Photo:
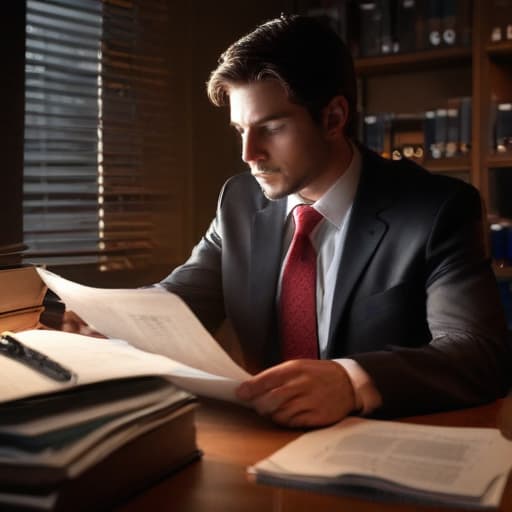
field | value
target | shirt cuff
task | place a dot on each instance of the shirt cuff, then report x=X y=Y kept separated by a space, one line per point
x=367 y=396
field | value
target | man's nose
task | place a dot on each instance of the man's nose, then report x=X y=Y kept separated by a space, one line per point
x=252 y=149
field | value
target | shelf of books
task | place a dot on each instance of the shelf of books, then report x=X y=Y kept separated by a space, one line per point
x=435 y=84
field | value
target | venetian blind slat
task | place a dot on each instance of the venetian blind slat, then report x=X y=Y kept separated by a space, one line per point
x=97 y=129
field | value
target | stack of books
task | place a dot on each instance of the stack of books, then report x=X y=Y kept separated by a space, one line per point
x=93 y=446
x=22 y=304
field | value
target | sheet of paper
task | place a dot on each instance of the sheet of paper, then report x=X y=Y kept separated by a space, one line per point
x=91 y=359
x=151 y=319
x=464 y=461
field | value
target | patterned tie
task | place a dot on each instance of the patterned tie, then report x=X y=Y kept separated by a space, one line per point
x=299 y=337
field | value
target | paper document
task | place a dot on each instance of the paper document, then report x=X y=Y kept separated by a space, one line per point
x=442 y=464
x=95 y=360
x=153 y=320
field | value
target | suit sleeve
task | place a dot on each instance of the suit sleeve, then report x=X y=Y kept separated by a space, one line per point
x=468 y=360
x=199 y=280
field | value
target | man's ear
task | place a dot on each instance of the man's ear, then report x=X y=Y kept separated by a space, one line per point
x=335 y=116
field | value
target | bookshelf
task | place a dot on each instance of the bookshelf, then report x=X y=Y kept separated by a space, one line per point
x=477 y=67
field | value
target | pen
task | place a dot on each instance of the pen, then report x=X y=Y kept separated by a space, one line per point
x=15 y=349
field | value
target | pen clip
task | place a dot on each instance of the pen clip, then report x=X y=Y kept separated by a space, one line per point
x=11 y=347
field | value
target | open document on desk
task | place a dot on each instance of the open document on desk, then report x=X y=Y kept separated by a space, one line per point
x=161 y=336
x=394 y=461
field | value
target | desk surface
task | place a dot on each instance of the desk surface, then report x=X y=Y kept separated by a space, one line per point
x=233 y=438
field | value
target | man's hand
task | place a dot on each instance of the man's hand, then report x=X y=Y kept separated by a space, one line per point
x=71 y=322
x=301 y=393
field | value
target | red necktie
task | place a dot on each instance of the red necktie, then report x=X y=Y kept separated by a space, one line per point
x=299 y=337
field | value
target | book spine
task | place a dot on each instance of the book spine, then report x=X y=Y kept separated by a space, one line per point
x=405 y=23
x=386 y=44
x=440 y=135
x=464 y=22
x=498 y=244
x=434 y=14
x=504 y=127
x=370 y=18
x=374 y=132
x=429 y=131
x=448 y=23
x=501 y=22
x=465 y=132
x=452 y=133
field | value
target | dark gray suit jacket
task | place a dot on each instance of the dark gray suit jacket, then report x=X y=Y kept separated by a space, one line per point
x=415 y=303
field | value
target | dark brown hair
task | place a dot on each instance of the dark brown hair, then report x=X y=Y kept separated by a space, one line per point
x=304 y=55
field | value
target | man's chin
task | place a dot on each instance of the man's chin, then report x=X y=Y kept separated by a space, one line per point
x=272 y=193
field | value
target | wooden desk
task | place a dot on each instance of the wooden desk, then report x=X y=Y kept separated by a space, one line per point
x=233 y=438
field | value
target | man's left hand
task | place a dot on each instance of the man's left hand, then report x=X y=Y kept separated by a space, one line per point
x=301 y=393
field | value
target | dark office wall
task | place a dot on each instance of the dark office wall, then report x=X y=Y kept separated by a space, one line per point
x=12 y=28
x=210 y=149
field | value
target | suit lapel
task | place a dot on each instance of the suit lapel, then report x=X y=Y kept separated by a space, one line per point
x=265 y=260
x=365 y=232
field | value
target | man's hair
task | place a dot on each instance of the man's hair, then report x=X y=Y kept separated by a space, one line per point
x=307 y=57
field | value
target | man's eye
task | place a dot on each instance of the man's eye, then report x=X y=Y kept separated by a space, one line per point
x=273 y=128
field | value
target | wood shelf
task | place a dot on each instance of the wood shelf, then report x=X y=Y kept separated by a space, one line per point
x=499 y=161
x=412 y=61
x=456 y=164
x=501 y=50
x=503 y=273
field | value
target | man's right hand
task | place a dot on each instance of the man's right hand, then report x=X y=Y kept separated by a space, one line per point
x=71 y=322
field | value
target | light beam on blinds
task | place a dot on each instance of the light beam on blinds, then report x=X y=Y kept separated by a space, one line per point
x=98 y=180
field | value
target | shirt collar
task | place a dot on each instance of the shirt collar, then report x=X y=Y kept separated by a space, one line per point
x=335 y=203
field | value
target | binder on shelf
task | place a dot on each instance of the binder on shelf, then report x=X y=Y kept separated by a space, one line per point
x=463 y=22
x=409 y=26
x=503 y=127
x=452 y=131
x=440 y=133
x=429 y=133
x=465 y=131
x=498 y=234
x=370 y=28
x=434 y=27
x=501 y=21
x=503 y=187
x=386 y=40
x=377 y=133
x=449 y=23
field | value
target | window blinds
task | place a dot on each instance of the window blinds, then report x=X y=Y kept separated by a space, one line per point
x=99 y=185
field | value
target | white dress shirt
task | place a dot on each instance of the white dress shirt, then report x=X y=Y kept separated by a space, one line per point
x=328 y=239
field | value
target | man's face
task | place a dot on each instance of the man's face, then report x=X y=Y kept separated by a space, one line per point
x=286 y=151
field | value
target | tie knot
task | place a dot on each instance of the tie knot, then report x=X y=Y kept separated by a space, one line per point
x=306 y=218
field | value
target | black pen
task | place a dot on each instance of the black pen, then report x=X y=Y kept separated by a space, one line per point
x=15 y=349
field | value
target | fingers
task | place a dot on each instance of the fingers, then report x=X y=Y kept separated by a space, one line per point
x=301 y=393
x=269 y=379
x=71 y=322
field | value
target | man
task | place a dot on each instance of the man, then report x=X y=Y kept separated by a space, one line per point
x=388 y=304
x=406 y=305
